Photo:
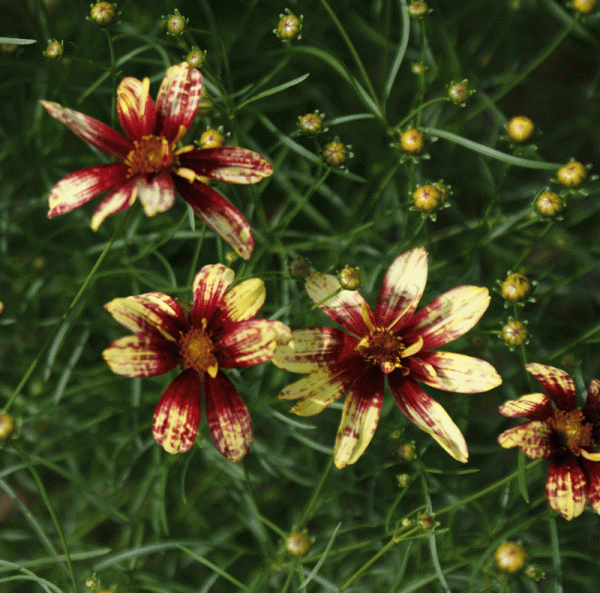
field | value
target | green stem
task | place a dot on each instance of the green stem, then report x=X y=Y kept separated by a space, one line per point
x=69 y=310
x=571 y=345
x=113 y=73
x=532 y=244
x=315 y=494
x=420 y=108
x=558 y=588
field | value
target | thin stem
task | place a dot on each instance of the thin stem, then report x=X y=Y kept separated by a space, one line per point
x=315 y=495
x=571 y=345
x=558 y=588
x=420 y=108
x=265 y=535
x=70 y=308
x=113 y=73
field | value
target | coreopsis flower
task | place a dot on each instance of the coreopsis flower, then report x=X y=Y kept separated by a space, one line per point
x=217 y=332
x=560 y=431
x=150 y=167
x=394 y=342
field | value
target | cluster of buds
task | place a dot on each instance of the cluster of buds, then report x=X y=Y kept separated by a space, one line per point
x=515 y=291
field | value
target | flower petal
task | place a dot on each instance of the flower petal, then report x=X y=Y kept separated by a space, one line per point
x=534 y=405
x=312 y=347
x=240 y=303
x=91 y=130
x=346 y=307
x=119 y=199
x=176 y=418
x=141 y=356
x=247 y=343
x=81 y=186
x=229 y=423
x=533 y=438
x=448 y=317
x=210 y=284
x=154 y=313
x=177 y=101
x=453 y=372
x=227 y=163
x=428 y=415
x=592 y=471
x=402 y=288
x=157 y=194
x=566 y=488
x=219 y=214
x=556 y=383
x=591 y=409
x=362 y=409
x=323 y=386
x=135 y=107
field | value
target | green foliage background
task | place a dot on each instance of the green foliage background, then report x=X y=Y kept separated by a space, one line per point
x=84 y=488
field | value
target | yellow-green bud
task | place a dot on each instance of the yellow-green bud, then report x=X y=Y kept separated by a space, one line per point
x=299 y=268
x=212 y=139
x=297 y=543
x=417 y=9
x=335 y=153
x=7 y=425
x=403 y=480
x=289 y=26
x=583 y=6
x=54 y=50
x=196 y=58
x=310 y=124
x=349 y=278
x=427 y=198
x=418 y=68
x=514 y=333
x=406 y=451
x=510 y=557
x=572 y=174
x=549 y=204
x=412 y=141
x=459 y=92
x=176 y=23
x=520 y=128
x=515 y=288
x=103 y=13
x=425 y=521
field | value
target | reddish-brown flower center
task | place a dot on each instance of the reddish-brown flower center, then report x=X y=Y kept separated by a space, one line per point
x=381 y=347
x=572 y=432
x=151 y=154
x=197 y=351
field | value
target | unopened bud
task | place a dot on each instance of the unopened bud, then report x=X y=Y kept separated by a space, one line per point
x=412 y=141
x=427 y=199
x=7 y=425
x=549 y=204
x=572 y=174
x=510 y=557
x=515 y=288
x=297 y=543
x=514 y=333
x=212 y=139
x=349 y=278
x=103 y=13
x=519 y=129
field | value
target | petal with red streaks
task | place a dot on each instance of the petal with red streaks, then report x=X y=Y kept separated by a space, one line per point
x=141 y=356
x=533 y=438
x=557 y=384
x=210 y=285
x=157 y=194
x=566 y=488
x=135 y=107
x=118 y=200
x=533 y=405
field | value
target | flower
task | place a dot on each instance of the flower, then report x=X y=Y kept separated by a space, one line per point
x=563 y=433
x=392 y=341
x=150 y=167
x=217 y=332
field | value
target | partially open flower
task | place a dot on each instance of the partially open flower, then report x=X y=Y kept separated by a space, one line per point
x=412 y=141
x=549 y=204
x=103 y=13
x=510 y=557
x=515 y=288
x=519 y=129
x=573 y=174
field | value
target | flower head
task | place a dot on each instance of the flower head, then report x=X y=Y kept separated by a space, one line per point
x=562 y=432
x=150 y=166
x=394 y=342
x=218 y=332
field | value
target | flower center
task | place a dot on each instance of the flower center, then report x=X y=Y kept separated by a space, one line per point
x=151 y=154
x=572 y=432
x=197 y=351
x=383 y=348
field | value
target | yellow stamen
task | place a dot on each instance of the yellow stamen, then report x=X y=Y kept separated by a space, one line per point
x=197 y=351
x=151 y=154
x=572 y=431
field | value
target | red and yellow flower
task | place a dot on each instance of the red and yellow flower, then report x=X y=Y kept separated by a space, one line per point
x=391 y=341
x=150 y=167
x=558 y=430
x=217 y=332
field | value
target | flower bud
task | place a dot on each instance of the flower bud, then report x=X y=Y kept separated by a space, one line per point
x=206 y=103
x=445 y=190
x=297 y=543
x=534 y=572
x=310 y=124
x=103 y=13
x=176 y=23
x=458 y=92
x=406 y=451
x=572 y=174
x=212 y=139
x=335 y=153
x=403 y=480
x=1 y=307
x=406 y=522
x=514 y=333
x=549 y=204
x=417 y=10
x=425 y=521
x=289 y=27
x=519 y=129
x=54 y=50
x=7 y=425
x=515 y=288
x=510 y=557
x=583 y=6
x=412 y=141
x=299 y=268
x=427 y=198
x=195 y=59
x=350 y=278
x=418 y=68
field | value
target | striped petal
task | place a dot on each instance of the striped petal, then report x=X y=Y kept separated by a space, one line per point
x=227 y=163
x=566 y=488
x=219 y=214
x=81 y=186
x=176 y=418
x=345 y=307
x=229 y=422
x=157 y=194
x=240 y=303
x=118 y=200
x=210 y=284
x=140 y=356
x=449 y=371
x=592 y=472
x=248 y=343
x=556 y=383
x=448 y=317
x=534 y=405
x=323 y=386
x=90 y=130
x=533 y=438
x=313 y=347
x=154 y=313
x=135 y=107
x=362 y=409
x=402 y=288
x=177 y=101
x=428 y=415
